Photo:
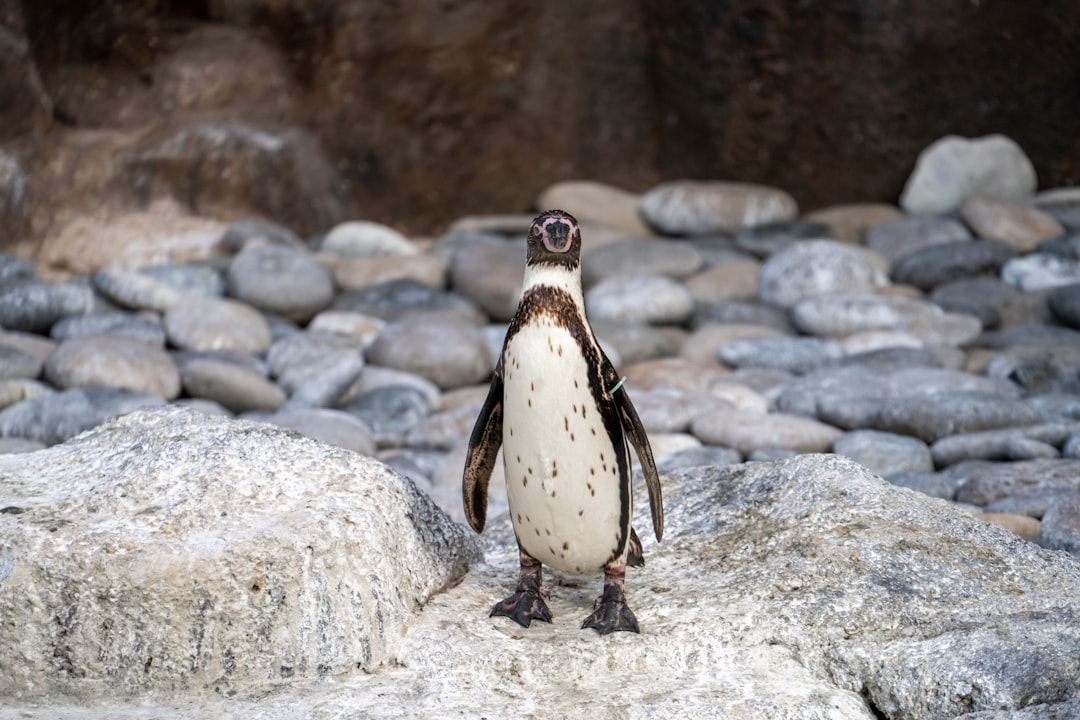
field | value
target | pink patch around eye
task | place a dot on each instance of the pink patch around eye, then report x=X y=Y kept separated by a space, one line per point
x=547 y=239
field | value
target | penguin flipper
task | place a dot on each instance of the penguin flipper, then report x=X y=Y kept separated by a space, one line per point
x=636 y=432
x=484 y=446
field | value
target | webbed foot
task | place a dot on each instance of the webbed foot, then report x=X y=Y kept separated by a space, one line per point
x=522 y=607
x=526 y=603
x=612 y=613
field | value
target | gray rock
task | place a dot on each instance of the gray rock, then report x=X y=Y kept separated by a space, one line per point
x=816 y=267
x=257 y=231
x=748 y=313
x=797 y=355
x=1033 y=503
x=281 y=280
x=1060 y=526
x=938 y=264
x=115 y=361
x=1064 y=302
x=34 y=306
x=333 y=427
x=701 y=455
x=937 y=485
x=183 y=358
x=767 y=239
x=931 y=417
x=19 y=445
x=842 y=314
x=443 y=430
x=640 y=299
x=952 y=169
x=329 y=387
x=1062 y=203
x=16 y=364
x=889 y=359
x=1039 y=271
x=672 y=410
x=1022 y=443
x=982 y=296
x=390 y=411
x=490 y=273
x=54 y=418
x=983 y=482
x=1028 y=336
x=238 y=388
x=689 y=207
x=417 y=465
x=15 y=391
x=15 y=269
x=449 y=354
x=395 y=299
x=198 y=323
x=673 y=259
x=135 y=290
x=893 y=239
x=1066 y=245
x=306 y=358
x=633 y=342
x=748 y=433
x=225 y=554
x=194 y=278
x=138 y=327
x=885 y=454
x=362 y=238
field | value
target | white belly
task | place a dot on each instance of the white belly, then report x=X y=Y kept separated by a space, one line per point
x=562 y=475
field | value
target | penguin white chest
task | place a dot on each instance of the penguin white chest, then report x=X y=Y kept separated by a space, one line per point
x=562 y=472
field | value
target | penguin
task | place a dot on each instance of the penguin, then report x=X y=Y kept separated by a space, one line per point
x=562 y=416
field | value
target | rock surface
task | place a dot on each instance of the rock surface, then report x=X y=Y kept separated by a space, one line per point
x=805 y=588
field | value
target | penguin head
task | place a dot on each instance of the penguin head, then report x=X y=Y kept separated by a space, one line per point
x=554 y=239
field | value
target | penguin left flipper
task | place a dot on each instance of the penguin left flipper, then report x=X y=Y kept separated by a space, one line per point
x=636 y=432
x=484 y=444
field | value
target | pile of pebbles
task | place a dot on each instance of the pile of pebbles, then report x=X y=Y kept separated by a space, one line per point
x=939 y=345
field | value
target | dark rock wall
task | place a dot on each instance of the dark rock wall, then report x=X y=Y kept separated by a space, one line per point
x=421 y=111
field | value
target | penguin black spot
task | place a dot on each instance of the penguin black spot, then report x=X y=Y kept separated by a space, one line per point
x=560 y=351
x=566 y=423
x=571 y=437
x=530 y=402
x=554 y=472
x=593 y=430
x=519 y=458
x=601 y=456
x=524 y=481
x=532 y=386
x=575 y=384
x=537 y=532
x=530 y=470
x=605 y=467
x=519 y=518
x=566 y=546
x=575 y=408
x=553 y=493
x=583 y=410
x=592 y=471
x=588 y=485
x=551 y=550
x=580 y=513
x=548 y=533
x=592 y=491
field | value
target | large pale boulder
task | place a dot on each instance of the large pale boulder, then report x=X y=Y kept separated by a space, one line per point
x=806 y=589
x=170 y=551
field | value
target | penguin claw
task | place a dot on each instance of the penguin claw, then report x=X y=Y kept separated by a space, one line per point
x=522 y=607
x=611 y=615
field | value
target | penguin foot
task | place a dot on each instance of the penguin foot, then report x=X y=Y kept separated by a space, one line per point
x=612 y=613
x=522 y=607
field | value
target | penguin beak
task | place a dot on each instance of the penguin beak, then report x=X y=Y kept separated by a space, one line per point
x=557 y=236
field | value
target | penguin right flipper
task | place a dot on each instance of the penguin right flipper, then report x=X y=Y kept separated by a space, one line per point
x=636 y=432
x=484 y=444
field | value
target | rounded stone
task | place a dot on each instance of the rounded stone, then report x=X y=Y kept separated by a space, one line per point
x=19 y=389
x=35 y=306
x=194 y=278
x=362 y=327
x=135 y=290
x=450 y=354
x=15 y=269
x=633 y=342
x=776 y=431
x=672 y=410
x=257 y=231
x=1020 y=225
x=852 y=223
x=238 y=388
x=1039 y=271
x=1060 y=528
x=333 y=427
x=1064 y=302
x=982 y=297
x=954 y=168
x=932 y=266
x=816 y=267
x=16 y=364
x=742 y=312
x=114 y=361
x=931 y=417
x=281 y=280
x=691 y=207
x=137 y=327
x=885 y=453
x=699 y=456
x=797 y=355
x=397 y=299
x=199 y=323
x=361 y=238
x=490 y=274
x=700 y=345
x=390 y=411
x=767 y=239
x=724 y=281
x=353 y=273
x=642 y=299
x=842 y=314
x=54 y=418
x=306 y=357
x=671 y=259
x=906 y=234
